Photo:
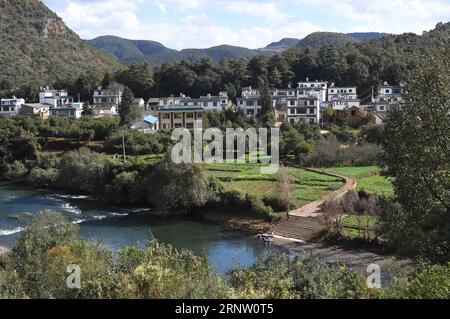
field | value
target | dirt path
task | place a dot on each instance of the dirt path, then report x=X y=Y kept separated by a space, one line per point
x=303 y=224
x=313 y=209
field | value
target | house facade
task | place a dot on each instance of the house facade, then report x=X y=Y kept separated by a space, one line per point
x=181 y=116
x=340 y=98
x=11 y=107
x=72 y=110
x=54 y=98
x=104 y=97
x=317 y=88
x=388 y=95
x=304 y=109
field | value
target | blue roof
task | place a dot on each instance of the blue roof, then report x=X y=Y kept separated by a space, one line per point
x=150 y=119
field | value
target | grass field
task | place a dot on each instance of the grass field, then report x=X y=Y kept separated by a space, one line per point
x=367 y=179
x=247 y=178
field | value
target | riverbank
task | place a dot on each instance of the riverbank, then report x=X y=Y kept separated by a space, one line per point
x=356 y=258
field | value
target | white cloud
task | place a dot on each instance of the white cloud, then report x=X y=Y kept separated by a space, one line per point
x=196 y=29
x=250 y=23
x=394 y=16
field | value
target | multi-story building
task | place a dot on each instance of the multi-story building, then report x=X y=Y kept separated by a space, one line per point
x=317 y=88
x=340 y=98
x=304 y=109
x=54 y=98
x=171 y=100
x=11 y=107
x=209 y=102
x=181 y=116
x=72 y=110
x=296 y=105
x=106 y=97
x=250 y=102
x=388 y=95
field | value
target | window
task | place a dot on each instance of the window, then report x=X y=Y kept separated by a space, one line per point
x=190 y=126
x=166 y=116
x=189 y=115
x=178 y=126
x=301 y=111
x=312 y=102
x=312 y=111
x=353 y=113
x=164 y=126
x=312 y=121
x=178 y=116
x=199 y=115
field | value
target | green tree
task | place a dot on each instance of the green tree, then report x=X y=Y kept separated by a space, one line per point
x=128 y=110
x=417 y=152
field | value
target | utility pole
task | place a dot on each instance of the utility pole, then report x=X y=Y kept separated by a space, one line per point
x=123 y=146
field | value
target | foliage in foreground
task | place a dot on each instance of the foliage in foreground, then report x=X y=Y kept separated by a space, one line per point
x=417 y=158
x=36 y=268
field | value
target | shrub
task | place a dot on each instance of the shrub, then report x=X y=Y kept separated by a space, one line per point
x=15 y=170
x=43 y=177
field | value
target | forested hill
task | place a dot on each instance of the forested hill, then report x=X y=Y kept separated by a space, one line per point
x=35 y=44
x=131 y=51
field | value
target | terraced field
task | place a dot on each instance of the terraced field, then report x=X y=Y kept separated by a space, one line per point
x=247 y=178
x=367 y=178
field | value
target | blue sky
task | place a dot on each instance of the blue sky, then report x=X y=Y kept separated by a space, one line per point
x=182 y=24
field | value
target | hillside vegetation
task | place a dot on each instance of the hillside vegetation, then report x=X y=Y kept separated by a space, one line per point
x=36 y=44
x=131 y=51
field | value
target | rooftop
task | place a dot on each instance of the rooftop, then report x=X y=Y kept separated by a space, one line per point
x=183 y=108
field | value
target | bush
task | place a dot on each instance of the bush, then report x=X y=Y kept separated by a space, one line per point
x=83 y=171
x=245 y=204
x=43 y=177
x=276 y=203
x=16 y=170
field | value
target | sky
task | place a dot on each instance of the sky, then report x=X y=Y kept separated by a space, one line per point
x=181 y=24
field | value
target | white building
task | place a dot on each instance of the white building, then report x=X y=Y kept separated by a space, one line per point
x=301 y=105
x=317 y=88
x=171 y=100
x=209 y=102
x=72 y=110
x=54 y=98
x=105 y=97
x=249 y=102
x=11 y=107
x=304 y=109
x=340 y=98
x=387 y=96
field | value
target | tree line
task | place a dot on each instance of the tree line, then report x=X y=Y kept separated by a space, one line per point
x=363 y=64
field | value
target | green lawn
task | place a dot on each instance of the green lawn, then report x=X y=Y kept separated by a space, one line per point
x=247 y=178
x=367 y=179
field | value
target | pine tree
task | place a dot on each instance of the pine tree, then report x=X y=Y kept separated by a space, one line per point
x=128 y=110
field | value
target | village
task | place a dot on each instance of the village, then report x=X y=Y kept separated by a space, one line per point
x=306 y=103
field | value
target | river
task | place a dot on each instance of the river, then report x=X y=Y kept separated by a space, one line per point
x=116 y=227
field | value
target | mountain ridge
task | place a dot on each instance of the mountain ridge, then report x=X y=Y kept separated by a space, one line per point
x=129 y=51
x=36 y=44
